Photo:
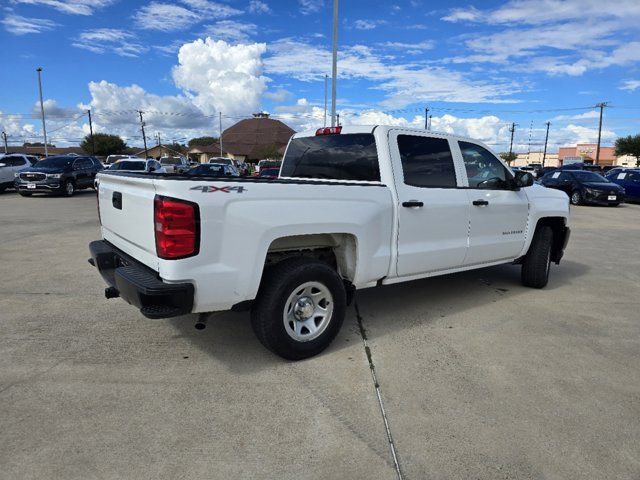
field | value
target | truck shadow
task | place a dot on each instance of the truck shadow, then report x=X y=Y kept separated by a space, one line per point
x=230 y=339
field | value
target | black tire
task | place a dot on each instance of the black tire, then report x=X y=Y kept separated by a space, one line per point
x=537 y=262
x=69 y=188
x=24 y=194
x=576 y=197
x=278 y=284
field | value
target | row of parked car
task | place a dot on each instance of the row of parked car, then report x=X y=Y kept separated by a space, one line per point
x=66 y=174
x=589 y=184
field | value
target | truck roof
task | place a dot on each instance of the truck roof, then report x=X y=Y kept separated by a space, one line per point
x=347 y=129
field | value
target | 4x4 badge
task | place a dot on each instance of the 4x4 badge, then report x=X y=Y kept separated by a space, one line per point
x=225 y=189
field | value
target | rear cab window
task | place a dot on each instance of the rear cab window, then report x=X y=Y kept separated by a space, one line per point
x=350 y=156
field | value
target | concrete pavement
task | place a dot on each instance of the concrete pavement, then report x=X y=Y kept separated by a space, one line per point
x=479 y=377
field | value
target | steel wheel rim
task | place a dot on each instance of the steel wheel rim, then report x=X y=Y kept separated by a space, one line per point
x=308 y=311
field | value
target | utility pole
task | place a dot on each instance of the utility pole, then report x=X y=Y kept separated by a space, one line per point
x=430 y=118
x=44 y=128
x=512 y=129
x=601 y=105
x=334 y=66
x=144 y=137
x=4 y=137
x=546 y=139
x=426 y=118
x=220 y=117
x=326 y=81
x=159 y=139
x=93 y=145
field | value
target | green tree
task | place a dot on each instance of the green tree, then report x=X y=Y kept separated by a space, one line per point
x=508 y=157
x=202 y=141
x=105 y=144
x=177 y=147
x=629 y=145
x=269 y=152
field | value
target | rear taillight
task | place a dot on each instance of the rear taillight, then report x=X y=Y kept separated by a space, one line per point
x=328 y=131
x=177 y=227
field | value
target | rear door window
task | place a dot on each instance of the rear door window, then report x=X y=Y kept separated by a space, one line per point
x=426 y=162
x=336 y=157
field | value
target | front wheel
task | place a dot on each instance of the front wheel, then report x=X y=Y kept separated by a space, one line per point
x=576 y=197
x=537 y=262
x=69 y=188
x=299 y=309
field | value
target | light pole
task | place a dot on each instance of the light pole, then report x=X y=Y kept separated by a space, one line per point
x=44 y=127
x=326 y=79
x=601 y=105
x=546 y=139
x=334 y=67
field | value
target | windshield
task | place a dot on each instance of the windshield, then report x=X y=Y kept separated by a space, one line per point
x=226 y=161
x=585 y=176
x=114 y=158
x=269 y=172
x=56 y=162
x=213 y=170
x=128 y=165
x=171 y=161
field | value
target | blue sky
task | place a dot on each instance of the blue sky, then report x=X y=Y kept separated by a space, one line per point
x=478 y=67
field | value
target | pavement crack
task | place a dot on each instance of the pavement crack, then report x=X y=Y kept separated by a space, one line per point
x=376 y=385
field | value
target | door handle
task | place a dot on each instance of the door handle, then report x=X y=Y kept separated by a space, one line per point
x=479 y=203
x=412 y=203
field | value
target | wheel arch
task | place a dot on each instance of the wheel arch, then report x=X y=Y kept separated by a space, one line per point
x=560 y=231
x=340 y=250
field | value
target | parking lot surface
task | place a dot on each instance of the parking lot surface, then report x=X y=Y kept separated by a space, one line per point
x=479 y=377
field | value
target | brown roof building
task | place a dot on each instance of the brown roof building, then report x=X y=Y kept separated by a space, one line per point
x=203 y=153
x=255 y=138
x=39 y=150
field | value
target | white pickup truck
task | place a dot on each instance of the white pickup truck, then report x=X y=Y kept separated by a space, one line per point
x=354 y=207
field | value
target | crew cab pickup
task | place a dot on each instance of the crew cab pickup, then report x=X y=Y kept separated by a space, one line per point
x=353 y=207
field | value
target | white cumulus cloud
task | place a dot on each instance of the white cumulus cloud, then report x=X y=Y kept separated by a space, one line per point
x=221 y=77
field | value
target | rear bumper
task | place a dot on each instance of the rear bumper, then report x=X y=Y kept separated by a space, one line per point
x=139 y=285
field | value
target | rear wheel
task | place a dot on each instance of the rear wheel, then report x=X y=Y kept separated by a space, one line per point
x=537 y=262
x=576 y=197
x=299 y=309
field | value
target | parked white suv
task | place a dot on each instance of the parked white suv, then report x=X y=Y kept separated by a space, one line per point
x=175 y=164
x=353 y=207
x=10 y=165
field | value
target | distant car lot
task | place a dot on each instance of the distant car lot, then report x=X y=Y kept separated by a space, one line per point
x=480 y=377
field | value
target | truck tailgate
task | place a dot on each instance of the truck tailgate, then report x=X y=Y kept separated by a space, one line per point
x=126 y=214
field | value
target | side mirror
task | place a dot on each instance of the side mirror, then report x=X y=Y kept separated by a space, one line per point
x=523 y=179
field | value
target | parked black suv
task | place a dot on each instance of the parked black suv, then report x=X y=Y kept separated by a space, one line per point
x=59 y=174
x=585 y=187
